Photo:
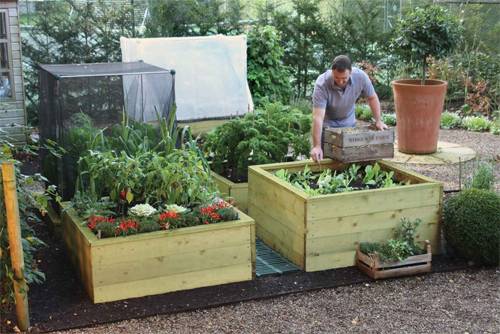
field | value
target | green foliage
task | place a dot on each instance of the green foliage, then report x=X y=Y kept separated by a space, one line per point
x=148 y=225
x=476 y=123
x=304 y=105
x=424 y=32
x=305 y=37
x=389 y=119
x=363 y=112
x=400 y=247
x=328 y=182
x=274 y=133
x=355 y=29
x=482 y=178
x=174 y=178
x=495 y=129
x=472 y=225
x=450 y=120
x=72 y=32
x=174 y=18
x=137 y=163
x=30 y=201
x=267 y=76
x=106 y=230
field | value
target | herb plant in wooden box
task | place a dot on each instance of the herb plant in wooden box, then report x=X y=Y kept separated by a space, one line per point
x=316 y=214
x=275 y=133
x=399 y=256
x=146 y=219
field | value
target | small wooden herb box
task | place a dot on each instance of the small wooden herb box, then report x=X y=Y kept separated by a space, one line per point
x=358 y=144
x=376 y=269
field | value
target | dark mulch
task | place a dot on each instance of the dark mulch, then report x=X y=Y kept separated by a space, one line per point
x=62 y=303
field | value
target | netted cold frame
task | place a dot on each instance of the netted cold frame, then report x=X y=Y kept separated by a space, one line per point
x=103 y=93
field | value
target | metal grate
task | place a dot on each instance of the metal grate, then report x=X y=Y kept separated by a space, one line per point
x=269 y=262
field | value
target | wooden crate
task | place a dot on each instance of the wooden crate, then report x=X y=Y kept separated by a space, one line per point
x=322 y=232
x=162 y=261
x=358 y=144
x=376 y=269
x=237 y=191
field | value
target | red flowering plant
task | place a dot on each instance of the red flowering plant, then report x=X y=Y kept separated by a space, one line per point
x=169 y=218
x=111 y=227
x=144 y=218
x=216 y=212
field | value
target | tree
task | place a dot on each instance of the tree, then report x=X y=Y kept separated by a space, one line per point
x=67 y=32
x=173 y=18
x=424 y=32
x=304 y=39
x=267 y=75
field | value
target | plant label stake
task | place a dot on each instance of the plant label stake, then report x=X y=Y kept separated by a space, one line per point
x=15 y=245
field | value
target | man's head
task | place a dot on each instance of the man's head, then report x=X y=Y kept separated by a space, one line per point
x=341 y=70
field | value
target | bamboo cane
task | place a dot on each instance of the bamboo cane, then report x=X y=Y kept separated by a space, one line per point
x=15 y=245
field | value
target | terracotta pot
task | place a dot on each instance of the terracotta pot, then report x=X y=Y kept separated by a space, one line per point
x=418 y=114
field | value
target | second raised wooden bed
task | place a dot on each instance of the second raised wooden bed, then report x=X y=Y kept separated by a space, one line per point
x=322 y=232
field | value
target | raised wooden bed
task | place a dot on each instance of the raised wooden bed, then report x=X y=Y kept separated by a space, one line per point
x=159 y=262
x=322 y=232
x=376 y=269
x=237 y=191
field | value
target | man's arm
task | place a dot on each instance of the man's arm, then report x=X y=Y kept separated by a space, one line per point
x=374 y=104
x=317 y=128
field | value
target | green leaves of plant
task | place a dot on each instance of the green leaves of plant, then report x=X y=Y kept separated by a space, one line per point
x=270 y=134
x=428 y=31
x=328 y=182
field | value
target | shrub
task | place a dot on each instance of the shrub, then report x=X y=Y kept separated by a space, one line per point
x=389 y=119
x=450 y=120
x=274 y=133
x=29 y=203
x=472 y=225
x=363 y=112
x=495 y=126
x=476 y=123
x=482 y=178
x=69 y=31
x=495 y=129
x=267 y=76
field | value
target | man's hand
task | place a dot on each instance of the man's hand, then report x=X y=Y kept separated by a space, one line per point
x=316 y=153
x=380 y=125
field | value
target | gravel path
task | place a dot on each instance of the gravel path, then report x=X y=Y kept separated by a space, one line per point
x=456 y=302
x=486 y=145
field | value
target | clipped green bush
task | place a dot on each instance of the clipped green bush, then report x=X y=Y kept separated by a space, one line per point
x=450 y=120
x=363 y=112
x=476 y=123
x=389 y=119
x=472 y=225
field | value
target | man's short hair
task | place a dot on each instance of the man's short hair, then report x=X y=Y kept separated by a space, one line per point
x=341 y=63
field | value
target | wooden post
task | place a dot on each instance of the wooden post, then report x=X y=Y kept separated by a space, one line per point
x=15 y=245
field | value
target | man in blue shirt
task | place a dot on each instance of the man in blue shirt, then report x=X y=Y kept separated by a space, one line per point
x=334 y=97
